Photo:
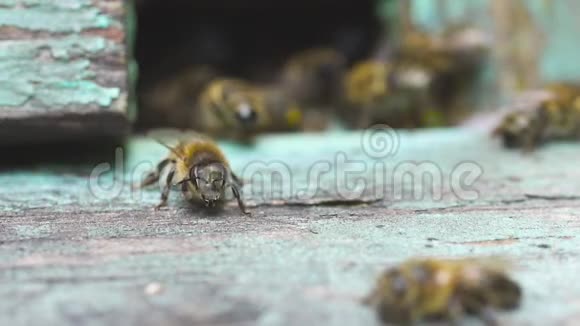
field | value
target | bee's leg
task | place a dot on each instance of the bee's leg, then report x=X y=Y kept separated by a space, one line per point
x=185 y=192
x=166 y=189
x=153 y=176
x=364 y=120
x=239 y=182
x=531 y=142
x=488 y=317
x=241 y=205
x=534 y=135
x=454 y=312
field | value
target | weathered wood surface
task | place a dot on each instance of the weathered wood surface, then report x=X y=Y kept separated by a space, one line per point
x=63 y=70
x=69 y=258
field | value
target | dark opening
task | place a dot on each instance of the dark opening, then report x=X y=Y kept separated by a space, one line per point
x=248 y=39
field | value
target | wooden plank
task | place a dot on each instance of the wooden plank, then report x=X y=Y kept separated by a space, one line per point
x=68 y=257
x=64 y=72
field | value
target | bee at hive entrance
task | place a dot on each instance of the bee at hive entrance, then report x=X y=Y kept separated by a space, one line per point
x=184 y=46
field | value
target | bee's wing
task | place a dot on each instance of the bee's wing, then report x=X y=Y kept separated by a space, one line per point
x=172 y=137
x=496 y=263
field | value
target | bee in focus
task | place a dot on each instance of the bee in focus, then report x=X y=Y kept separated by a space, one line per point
x=433 y=289
x=555 y=116
x=231 y=108
x=202 y=172
x=393 y=93
x=313 y=78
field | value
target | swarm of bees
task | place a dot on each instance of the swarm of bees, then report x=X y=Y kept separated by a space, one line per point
x=424 y=81
x=443 y=289
x=409 y=88
x=554 y=114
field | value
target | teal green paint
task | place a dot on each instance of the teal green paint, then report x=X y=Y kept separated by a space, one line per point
x=81 y=92
x=64 y=4
x=32 y=231
x=14 y=93
x=328 y=271
x=427 y=14
x=444 y=148
x=51 y=83
x=54 y=19
x=560 y=61
x=557 y=20
x=99 y=255
x=42 y=70
x=60 y=48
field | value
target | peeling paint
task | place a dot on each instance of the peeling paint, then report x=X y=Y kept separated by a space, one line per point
x=64 y=4
x=32 y=231
x=51 y=83
x=56 y=70
x=54 y=18
x=59 y=48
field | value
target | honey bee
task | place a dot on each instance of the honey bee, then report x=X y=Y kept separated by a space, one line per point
x=313 y=78
x=431 y=289
x=199 y=167
x=285 y=113
x=466 y=45
x=231 y=107
x=455 y=59
x=419 y=47
x=171 y=102
x=386 y=92
x=555 y=116
x=460 y=47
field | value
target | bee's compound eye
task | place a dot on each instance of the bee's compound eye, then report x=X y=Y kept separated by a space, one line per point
x=398 y=283
x=399 y=286
x=246 y=113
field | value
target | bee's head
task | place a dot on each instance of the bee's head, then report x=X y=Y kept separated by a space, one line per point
x=210 y=181
x=394 y=296
x=514 y=129
x=246 y=114
x=489 y=287
x=242 y=106
x=505 y=293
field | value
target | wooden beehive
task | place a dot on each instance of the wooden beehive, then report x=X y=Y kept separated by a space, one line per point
x=63 y=70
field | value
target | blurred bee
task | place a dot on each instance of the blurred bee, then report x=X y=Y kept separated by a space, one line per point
x=455 y=59
x=467 y=46
x=171 y=102
x=461 y=47
x=431 y=289
x=313 y=78
x=419 y=47
x=199 y=167
x=395 y=93
x=231 y=108
x=285 y=113
x=556 y=116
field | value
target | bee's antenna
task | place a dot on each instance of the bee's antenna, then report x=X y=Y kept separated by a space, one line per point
x=169 y=148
